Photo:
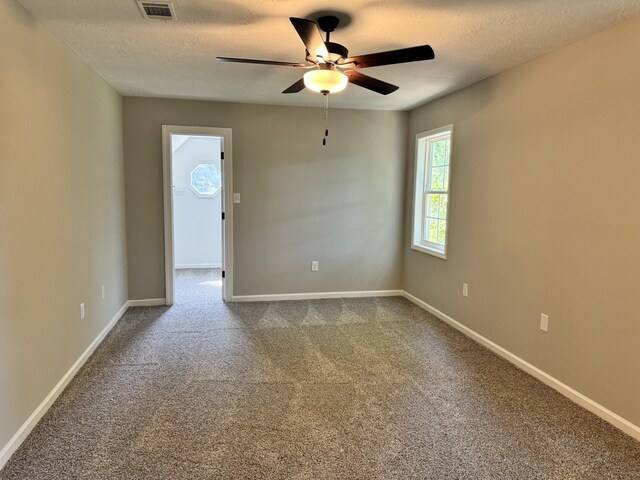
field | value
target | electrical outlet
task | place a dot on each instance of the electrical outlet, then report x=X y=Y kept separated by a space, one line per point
x=82 y=311
x=314 y=266
x=236 y=198
x=103 y=293
x=465 y=289
x=544 y=322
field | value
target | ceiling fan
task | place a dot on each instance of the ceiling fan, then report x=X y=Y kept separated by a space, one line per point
x=331 y=68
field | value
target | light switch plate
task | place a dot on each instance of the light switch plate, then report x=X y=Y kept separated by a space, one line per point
x=544 y=322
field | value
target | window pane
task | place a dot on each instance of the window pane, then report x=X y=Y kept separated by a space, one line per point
x=437 y=178
x=440 y=153
x=432 y=231
x=206 y=179
x=442 y=230
x=433 y=205
x=442 y=206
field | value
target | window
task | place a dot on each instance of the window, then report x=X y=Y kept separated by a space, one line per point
x=206 y=180
x=431 y=197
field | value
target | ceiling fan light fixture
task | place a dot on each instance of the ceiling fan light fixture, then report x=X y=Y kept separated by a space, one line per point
x=325 y=81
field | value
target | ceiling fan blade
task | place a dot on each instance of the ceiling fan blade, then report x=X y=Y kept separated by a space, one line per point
x=404 y=55
x=370 y=83
x=261 y=62
x=296 y=87
x=311 y=36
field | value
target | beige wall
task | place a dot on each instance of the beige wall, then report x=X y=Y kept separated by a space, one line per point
x=545 y=214
x=340 y=204
x=62 y=231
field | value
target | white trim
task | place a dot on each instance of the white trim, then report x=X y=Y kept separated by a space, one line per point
x=198 y=265
x=147 y=302
x=227 y=205
x=317 y=295
x=573 y=395
x=430 y=251
x=14 y=443
x=167 y=186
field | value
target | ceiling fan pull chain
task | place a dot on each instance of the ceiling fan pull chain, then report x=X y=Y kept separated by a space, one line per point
x=326 y=118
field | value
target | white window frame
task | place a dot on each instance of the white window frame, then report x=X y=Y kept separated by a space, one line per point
x=422 y=167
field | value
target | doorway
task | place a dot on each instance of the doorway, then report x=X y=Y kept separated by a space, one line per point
x=198 y=217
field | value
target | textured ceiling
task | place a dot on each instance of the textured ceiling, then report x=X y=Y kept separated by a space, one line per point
x=473 y=39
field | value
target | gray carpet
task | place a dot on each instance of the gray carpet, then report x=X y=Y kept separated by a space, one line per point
x=327 y=389
x=198 y=286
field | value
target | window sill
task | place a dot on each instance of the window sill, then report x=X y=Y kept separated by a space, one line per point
x=430 y=251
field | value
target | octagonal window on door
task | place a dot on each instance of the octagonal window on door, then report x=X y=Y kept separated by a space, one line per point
x=206 y=180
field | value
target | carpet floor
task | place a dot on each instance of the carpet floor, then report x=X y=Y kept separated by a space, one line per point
x=371 y=388
x=198 y=286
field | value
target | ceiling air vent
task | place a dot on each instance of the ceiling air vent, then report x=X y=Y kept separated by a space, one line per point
x=159 y=10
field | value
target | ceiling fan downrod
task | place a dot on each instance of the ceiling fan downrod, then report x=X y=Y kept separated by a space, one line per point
x=328 y=24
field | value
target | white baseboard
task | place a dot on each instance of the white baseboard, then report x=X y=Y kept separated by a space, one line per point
x=147 y=302
x=316 y=296
x=39 y=412
x=198 y=265
x=573 y=395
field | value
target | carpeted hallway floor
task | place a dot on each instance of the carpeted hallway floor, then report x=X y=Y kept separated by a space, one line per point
x=198 y=286
x=328 y=389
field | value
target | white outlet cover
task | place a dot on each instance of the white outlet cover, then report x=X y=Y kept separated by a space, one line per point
x=236 y=198
x=465 y=289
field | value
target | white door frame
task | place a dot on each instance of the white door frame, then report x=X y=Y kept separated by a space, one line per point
x=227 y=205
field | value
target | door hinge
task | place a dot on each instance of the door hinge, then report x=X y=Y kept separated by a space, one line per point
x=221 y=155
x=223 y=215
x=223 y=274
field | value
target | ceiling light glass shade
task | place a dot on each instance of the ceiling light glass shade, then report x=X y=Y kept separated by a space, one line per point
x=323 y=80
